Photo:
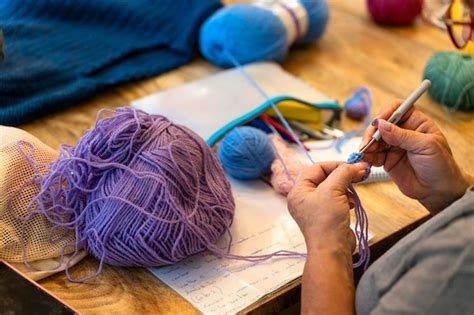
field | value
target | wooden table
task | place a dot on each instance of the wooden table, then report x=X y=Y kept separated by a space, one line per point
x=354 y=51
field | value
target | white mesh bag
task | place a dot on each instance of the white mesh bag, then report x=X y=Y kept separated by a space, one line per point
x=24 y=237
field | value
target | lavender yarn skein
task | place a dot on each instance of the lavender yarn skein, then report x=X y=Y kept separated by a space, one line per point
x=138 y=190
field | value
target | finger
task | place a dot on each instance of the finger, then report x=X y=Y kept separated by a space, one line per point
x=406 y=139
x=385 y=113
x=312 y=176
x=379 y=159
x=344 y=175
x=420 y=122
x=352 y=202
x=352 y=240
x=375 y=158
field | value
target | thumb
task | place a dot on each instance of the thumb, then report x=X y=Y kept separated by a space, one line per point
x=344 y=175
x=406 y=139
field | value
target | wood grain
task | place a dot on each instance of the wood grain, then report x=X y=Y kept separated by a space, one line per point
x=354 y=51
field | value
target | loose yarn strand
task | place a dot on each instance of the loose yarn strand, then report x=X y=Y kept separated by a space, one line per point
x=364 y=94
x=267 y=98
x=361 y=225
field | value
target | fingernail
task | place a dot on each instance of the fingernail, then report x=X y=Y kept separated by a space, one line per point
x=375 y=122
x=364 y=164
x=384 y=125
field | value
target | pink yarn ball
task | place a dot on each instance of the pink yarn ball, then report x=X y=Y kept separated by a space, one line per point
x=394 y=12
x=279 y=178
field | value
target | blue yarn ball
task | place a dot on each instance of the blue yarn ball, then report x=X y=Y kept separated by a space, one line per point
x=246 y=153
x=318 y=16
x=250 y=33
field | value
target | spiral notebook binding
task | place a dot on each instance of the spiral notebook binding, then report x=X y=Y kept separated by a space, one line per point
x=377 y=174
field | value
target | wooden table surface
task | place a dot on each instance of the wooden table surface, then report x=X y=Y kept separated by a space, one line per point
x=354 y=51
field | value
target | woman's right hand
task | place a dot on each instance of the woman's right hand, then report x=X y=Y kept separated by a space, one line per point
x=417 y=157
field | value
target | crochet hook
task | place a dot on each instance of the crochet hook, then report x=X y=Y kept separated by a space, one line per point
x=401 y=110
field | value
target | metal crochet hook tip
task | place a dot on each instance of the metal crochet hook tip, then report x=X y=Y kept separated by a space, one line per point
x=366 y=147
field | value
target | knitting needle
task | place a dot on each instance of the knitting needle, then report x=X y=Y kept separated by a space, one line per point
x=401 y=110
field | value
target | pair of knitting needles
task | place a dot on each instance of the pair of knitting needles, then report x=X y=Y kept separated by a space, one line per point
x=400 y=111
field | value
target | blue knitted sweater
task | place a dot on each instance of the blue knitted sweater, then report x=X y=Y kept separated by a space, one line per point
x=60 y=51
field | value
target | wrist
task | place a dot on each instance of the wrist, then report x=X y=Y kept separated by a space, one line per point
x=333 y=245
x=439 y=200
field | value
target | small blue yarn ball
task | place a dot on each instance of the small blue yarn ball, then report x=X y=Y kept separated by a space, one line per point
x=246 y=153
x=250 y=33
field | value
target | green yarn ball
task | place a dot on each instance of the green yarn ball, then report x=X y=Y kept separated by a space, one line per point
x=452 y=78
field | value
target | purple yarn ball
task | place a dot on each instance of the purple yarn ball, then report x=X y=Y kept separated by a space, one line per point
x=356 y=108
x=138 y=190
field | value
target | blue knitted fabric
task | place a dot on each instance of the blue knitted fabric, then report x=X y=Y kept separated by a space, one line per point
x=60 y=51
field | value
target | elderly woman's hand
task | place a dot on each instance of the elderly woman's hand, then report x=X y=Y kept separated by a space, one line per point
x=417 y=157
x=320 y=204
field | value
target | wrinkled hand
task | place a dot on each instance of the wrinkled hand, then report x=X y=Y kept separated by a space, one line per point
x=417 y=157
x=320 y=204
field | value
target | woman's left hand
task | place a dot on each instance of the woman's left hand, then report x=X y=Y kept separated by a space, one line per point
x=320 y=204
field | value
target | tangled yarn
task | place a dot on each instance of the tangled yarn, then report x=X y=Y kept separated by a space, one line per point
x=452 y=79
x=138 y=190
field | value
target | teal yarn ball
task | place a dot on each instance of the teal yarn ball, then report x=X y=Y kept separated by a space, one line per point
x=246 y=153
x=452 y=78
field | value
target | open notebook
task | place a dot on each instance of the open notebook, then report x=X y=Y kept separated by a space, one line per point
x=262 y=223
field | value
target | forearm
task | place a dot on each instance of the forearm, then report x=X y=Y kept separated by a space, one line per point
x=328 y=285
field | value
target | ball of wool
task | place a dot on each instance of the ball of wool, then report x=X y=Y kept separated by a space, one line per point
x=356 y=108
x=251 y=33
x=394 y=12
x=138 y=190
x=246 y=153
x=283 y=176
x=452 y=79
